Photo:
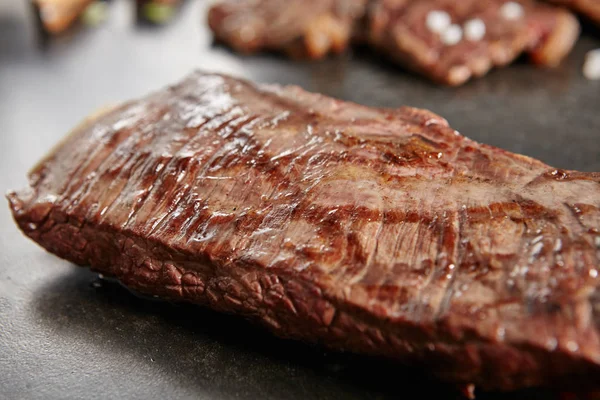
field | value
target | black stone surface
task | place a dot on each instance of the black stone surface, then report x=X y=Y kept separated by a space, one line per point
x=65 y=334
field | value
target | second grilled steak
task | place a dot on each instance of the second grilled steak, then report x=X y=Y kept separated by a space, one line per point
x=447 y=41
x=378 y=231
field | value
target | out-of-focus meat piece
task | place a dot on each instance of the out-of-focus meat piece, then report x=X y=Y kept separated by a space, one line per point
x=589 y=8
x=58 y=15
x=301 y=28
x=450 y=42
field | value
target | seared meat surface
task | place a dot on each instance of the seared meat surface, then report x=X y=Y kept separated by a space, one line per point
x=377 y=231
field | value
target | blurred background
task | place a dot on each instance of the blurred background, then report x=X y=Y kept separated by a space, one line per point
x=66 y=334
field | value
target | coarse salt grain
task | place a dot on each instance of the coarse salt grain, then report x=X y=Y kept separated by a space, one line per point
x=474 y=29
x=452 y=35
x=591 y=66
x=438 y=21
x=512 y=11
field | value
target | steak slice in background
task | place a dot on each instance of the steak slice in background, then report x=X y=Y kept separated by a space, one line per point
x=377 y=231
x=589 y=8
x=300 y=28
x=400 y=29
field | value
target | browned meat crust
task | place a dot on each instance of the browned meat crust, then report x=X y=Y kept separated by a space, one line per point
x=378 y=231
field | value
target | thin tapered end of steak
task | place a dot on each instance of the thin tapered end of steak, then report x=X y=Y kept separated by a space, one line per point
x=377 y=231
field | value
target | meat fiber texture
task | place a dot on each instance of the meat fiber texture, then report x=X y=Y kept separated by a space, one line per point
x=376 y=231
x=450 y=53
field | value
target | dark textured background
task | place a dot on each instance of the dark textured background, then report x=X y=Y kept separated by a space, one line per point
x=64 y=334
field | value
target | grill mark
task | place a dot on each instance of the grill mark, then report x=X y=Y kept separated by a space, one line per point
x=85 y=162
x=145 y=185
x=300 y=200
x=136 y=138
x=421 y=296
x=283 y=177
x=402 y=233
x=188 y=221
x=450 y=244
x=202 y=173
x=169 y=219
x=218 y=244
x=370 y=255
x=152 y=177
x=144 y=141
x=181 y=167
x=148 y=189
x=77 y=197
x=118 y=140
x=123 y=180
x=165 y=176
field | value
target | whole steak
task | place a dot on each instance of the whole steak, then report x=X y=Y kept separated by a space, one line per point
x=378 y=231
